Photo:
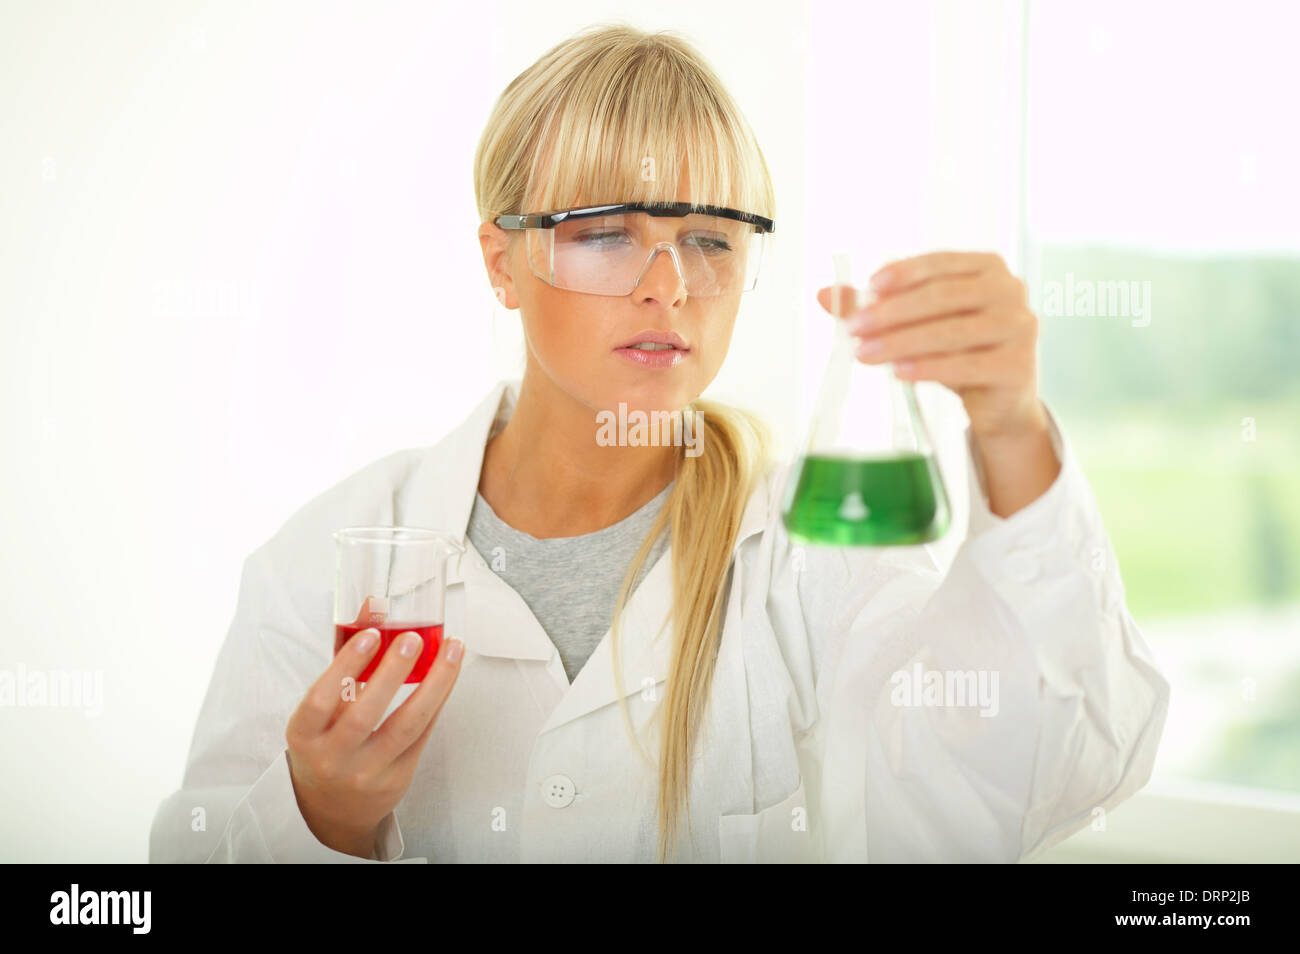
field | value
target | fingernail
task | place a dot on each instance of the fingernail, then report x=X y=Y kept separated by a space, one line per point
x=881 y=279
x=871 y=346
x=865 y=318
x=454 y=648
x=366 y=640
x=411 y=644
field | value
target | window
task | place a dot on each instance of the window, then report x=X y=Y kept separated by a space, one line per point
x=1162 y=251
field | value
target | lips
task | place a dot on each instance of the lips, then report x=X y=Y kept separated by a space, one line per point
x=667 y=358
x=653 y=337
x=658 y=349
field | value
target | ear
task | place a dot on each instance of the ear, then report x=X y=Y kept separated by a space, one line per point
x=495 y=242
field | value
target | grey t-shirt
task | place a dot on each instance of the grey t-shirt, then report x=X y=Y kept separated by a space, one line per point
x=570 y=583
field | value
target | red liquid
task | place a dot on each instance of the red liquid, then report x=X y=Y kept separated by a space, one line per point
x=432 y=636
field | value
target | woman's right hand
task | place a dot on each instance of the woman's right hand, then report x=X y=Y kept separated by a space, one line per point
x=348 y=775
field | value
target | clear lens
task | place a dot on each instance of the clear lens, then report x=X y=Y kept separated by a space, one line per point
x=608 y=255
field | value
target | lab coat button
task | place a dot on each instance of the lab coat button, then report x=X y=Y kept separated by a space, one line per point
x=1022 y=565
x=557 y=791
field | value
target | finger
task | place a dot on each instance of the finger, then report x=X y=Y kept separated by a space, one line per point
x=318 y=707
x=979 y=367
x=404 y=765
x=854 y=300
x=360 y=717
x=937 y=336
x=374 y=610
x=908 y=272
x=403 y=730
x=945 y=295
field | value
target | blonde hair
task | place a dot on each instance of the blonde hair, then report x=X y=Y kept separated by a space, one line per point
x=604 y=100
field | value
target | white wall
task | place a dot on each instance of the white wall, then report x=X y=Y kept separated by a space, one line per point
x=238 y=262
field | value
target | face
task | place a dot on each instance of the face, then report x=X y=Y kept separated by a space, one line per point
x=576 y=340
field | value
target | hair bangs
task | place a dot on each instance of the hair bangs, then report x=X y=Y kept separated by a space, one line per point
x=638 y=131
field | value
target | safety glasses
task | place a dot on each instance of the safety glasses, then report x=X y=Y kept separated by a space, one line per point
x=607 y=249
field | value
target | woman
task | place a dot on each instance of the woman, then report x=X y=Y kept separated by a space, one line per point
x=650 y=670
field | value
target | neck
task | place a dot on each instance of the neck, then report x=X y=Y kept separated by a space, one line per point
x=546 y=475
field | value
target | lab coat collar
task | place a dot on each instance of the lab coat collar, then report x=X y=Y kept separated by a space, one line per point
x=440 y=495
x=441 y=491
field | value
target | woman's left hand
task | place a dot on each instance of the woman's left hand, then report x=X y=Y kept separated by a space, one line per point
x=962 y=319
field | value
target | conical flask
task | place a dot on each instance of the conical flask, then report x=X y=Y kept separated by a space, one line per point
x=867 y=474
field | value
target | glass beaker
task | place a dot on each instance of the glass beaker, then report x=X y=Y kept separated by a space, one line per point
x=867 y=474
x=394 y=580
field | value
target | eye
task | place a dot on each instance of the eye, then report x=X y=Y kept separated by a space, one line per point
x=710 y=243
x=603 y=239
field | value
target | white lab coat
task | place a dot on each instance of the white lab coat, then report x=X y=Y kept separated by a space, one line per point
x=805 y=753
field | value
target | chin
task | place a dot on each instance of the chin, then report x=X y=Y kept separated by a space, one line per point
x=645 y=392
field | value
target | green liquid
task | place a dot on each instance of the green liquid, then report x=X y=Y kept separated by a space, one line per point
x=846 y=501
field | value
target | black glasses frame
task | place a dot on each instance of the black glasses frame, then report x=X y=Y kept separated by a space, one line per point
x=549 y=220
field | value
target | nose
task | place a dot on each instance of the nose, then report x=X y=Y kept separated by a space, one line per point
x=661 y=277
